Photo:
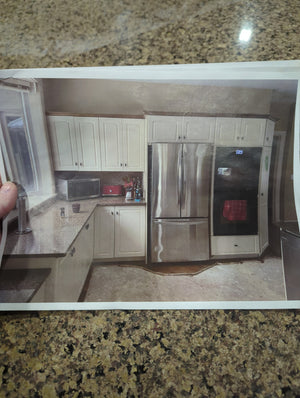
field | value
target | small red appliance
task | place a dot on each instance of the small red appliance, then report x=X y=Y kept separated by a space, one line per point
x=112 y=190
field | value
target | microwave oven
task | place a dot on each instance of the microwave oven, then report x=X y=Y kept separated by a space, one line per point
x=77 y=188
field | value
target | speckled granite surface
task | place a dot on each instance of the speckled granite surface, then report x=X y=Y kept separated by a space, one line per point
x=148 y=353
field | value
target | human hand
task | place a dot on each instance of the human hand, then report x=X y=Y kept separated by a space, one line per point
x=8 y=197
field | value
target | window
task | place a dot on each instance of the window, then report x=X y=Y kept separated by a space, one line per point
x=24 y=144
x=19 y=152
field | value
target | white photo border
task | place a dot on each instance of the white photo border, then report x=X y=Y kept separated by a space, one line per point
x=268 y=70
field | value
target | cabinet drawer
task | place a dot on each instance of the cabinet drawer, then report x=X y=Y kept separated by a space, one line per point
x=226 y=245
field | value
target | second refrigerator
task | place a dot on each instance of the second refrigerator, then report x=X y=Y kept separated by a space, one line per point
x=180 y=186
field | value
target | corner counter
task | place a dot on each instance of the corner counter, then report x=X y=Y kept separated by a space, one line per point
x=52 y=234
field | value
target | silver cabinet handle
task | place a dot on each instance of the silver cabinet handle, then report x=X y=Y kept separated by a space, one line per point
x=76 y=164
x=125 y=164
x=81 y=164
x=112 y=213
x=117 y=213
x=72 y=252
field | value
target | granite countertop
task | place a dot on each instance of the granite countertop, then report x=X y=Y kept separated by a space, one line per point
x=52 y=235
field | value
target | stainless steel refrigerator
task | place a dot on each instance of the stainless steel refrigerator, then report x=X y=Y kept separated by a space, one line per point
x=180 y=177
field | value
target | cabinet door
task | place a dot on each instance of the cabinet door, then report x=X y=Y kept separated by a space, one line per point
x=263 y=227
x=228 y=131
x=88 y=143
x=63 y=141
x=199 y=129
x=130 y=234
x=87 y=246
x=111 y=144
x=252 y=132
x=164 y=128
x=264 y=176
x=133 y=146
x=72 y=271
x=104 y=232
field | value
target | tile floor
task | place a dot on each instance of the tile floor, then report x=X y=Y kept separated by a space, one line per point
x=235 y=281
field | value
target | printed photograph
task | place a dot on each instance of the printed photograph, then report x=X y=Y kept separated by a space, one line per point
x=148 y=191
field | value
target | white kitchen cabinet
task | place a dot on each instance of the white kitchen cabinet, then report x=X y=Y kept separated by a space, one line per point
x=122 y=144
x=104 y=246
x=234 y=245
x=264 y=176
x=263 y=198
x=164 y=128
x=199 y=129
x=130 y=231
x=120 y=232
x=247 y=132
x=63 y=142
x=68 y=273
x=88 y=144
x=72 y=271
x=75 y=143
x=180 y=129
x=227 y=131
x=252 y=132
x=263 y=228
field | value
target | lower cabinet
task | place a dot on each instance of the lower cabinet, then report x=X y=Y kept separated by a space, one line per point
x=120 y=231
x=263 y=227
x=234 y=245
x=68 y=273
x=72 y=271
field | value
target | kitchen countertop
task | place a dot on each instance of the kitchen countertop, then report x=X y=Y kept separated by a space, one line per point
x=52 y=235
x=148 y=353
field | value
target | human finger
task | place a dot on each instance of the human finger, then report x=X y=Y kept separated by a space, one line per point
x=8 y=197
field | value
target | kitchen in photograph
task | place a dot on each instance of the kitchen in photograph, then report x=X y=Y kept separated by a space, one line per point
x=149 y=191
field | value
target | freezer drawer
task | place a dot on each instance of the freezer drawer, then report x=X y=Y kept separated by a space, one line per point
x=179 y=240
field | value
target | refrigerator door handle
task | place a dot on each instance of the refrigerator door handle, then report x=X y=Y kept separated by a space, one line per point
x=183 y=184
x=179 y=166
x=180 y=221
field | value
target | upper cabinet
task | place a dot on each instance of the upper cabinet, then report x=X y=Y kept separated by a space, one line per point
x=180 y=129
x=95 y=144
x=164 y=128
x=240 y=131
x=199 y=129
x=122 y=144
x=75 y=143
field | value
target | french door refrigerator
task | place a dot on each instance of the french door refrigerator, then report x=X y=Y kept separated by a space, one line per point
x=179 y=192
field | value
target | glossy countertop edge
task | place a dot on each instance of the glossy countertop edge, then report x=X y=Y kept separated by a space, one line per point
x=28 y=245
